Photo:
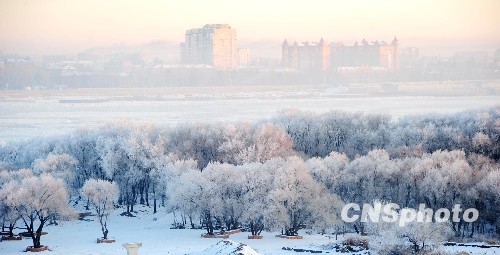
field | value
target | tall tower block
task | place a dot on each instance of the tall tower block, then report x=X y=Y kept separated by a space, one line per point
x=285 y=55
x=214 y=44
x=395 y=53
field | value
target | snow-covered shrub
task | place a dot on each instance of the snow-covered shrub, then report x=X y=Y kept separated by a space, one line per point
x=414 y=236
x=356 y=241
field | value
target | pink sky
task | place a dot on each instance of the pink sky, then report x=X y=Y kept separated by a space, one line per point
x=71 y=26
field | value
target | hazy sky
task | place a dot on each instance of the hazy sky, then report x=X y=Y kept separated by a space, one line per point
x=71 y=26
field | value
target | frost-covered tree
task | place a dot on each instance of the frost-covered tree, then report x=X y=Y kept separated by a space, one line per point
x=290 y=200
x=58 y=165
x=349 y=133
x=489 y=188
x=101 y=194
x=237 y=138
x=9 y=183
x=446 y=176
x=143 y=147
x=269 y=141
x=257 y=186
x=325 y=208
x=424 y=234
x=38 y=199
x=366 y=178
x=24 y=153
x=329 y=170
x=181 y=198
x=111 y=147
x=227 y=193
x=82 y=145
x=192 y=194
x=481 y=142
x=434 y=159
x=199 y=142
x=412 y=238
x=8 y=216
x=165 y=173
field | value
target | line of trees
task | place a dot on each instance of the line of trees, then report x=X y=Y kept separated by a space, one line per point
x=291 y=172
x=356 y=134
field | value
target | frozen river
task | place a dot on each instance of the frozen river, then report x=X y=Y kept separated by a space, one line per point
x=22 y=117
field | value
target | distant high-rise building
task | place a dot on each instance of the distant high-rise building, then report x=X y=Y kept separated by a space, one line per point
x=214 y=44
x=374 y=54
x=409 y=56
x=243 y=57
x=410 y=52
x=306 y=56
x=321 y=56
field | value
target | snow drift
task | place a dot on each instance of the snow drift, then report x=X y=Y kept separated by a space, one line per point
x=228 y=247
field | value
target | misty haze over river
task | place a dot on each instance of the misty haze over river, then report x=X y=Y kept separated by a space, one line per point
x=27 y=114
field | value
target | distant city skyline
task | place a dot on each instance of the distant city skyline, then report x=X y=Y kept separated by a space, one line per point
x=36 y=27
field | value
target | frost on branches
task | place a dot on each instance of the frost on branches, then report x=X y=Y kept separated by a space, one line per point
x=101 y=194
x=290 y=172
x=38 y=199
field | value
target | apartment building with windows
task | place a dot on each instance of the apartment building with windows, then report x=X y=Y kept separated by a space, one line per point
x=213 y=44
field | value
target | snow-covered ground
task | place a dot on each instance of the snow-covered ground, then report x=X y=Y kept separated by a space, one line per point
x=472 y=250
x=153 y=231
x=229 y=247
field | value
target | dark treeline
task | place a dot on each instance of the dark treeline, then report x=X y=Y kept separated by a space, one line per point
x=226 y=174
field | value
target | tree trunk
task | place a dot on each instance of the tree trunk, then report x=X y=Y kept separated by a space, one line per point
x=175 y=219
x=458 y=229
x=256 y=227
x=191 y=221
x=29 y=228
x=154 y=199
x=472 y=229
x=134 y=197
x=154 y=205
x=11 y=229
x=141 y=191
x=127 y=202
x=147 y=195
x=252 y=228
x=37 y=236
x=104 y=227
x=408 y=196
x=209 y=225
x=87 y=205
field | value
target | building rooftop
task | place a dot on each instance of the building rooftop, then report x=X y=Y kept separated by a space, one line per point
x=217 y=26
